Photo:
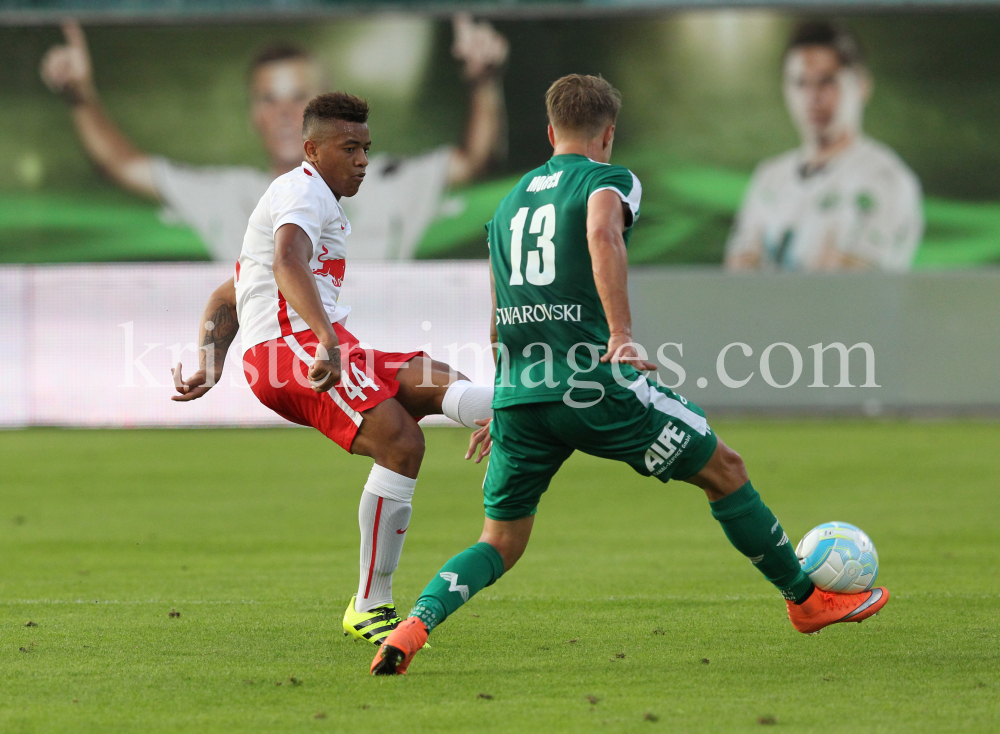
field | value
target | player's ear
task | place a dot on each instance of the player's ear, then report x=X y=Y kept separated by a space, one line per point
x=609 y=137
x=310 y=148
x=552 y=136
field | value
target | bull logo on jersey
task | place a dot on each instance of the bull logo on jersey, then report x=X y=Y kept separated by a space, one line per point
x=334 y=268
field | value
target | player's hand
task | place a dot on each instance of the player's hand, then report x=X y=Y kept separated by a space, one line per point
x=66 y=69
x=479 y=47
x=192 y=388
x=621 y=349
x=481 y=438
x=325 y=370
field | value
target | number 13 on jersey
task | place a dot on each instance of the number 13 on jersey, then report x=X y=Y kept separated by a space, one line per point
x=541 y=266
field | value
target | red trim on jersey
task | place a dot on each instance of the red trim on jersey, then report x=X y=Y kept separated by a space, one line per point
x=237 y=271
x=283 y=322
x=371 y=568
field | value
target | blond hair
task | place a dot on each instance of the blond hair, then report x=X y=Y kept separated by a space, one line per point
x=582 y=103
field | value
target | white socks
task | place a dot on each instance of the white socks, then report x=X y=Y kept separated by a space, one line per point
x=467 y=403
x=384 y=513
x=384 y=516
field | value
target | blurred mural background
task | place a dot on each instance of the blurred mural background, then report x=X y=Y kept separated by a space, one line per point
x=703 y=105
x=111 y=279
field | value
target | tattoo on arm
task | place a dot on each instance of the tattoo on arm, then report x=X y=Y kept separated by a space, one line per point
x=221 y=334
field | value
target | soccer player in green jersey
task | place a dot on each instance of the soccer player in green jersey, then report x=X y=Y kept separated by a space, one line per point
x=570 y=378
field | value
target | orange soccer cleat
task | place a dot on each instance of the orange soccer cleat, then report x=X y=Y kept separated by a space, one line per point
x=398 y=649
x=824 y=608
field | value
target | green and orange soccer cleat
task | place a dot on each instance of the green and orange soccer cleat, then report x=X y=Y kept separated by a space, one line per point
x=824 y=608
x=394 y=657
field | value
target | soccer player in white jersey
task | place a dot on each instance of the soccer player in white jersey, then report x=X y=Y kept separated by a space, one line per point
x=841 y=201
x=401 y=197
x=304 y=365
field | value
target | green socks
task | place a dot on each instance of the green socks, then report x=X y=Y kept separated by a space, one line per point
x=756 y=533
x=752 y=529
x=459 y=580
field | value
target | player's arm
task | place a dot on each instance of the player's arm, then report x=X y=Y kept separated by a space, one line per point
x=292 y=254
x=605 y=227
x=67 y=70
x=833 y=260
x=889 y=230
x=746 y=260
x=216 y=332
x=745 y=247
x=483 y=52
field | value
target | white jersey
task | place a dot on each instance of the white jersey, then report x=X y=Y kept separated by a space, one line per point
x=398 y=200
x=299 y=197
x=865 y=203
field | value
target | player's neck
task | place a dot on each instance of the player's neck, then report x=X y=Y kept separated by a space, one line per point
x=590 y=148
x=280 y=168
x=818 y=152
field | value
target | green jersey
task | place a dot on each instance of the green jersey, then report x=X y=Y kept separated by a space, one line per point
x=550 y=321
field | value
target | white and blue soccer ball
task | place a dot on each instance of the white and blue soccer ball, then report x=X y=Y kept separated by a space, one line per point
x=839 y=557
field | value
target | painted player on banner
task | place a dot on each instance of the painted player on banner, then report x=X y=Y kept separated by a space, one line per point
x=841 y=201
x=402 y=194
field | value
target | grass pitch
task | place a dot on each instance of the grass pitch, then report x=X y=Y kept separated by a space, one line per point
x=629 y=612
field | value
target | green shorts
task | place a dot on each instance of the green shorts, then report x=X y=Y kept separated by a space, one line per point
x=652 y=429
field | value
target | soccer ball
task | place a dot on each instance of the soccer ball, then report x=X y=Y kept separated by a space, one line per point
x=839 y=557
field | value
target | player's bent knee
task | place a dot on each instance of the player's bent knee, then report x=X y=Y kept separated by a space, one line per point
x=723 y=474
x=728 y=467
x=734 y=465
x=510 y=550
x=509 y=538
x=391 y=437
x=407 y=442
x=414 y=444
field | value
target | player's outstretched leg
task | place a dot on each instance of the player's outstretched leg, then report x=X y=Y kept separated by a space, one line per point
x=428 y=387
x=458 y=581
x=461 y=578
x=756 y=533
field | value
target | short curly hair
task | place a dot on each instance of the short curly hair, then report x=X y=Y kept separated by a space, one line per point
x=334 y=106
x=582 y=103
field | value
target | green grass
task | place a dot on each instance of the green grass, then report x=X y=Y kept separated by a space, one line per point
x=251 y=536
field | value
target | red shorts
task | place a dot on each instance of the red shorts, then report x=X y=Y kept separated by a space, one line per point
x=278 y=373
